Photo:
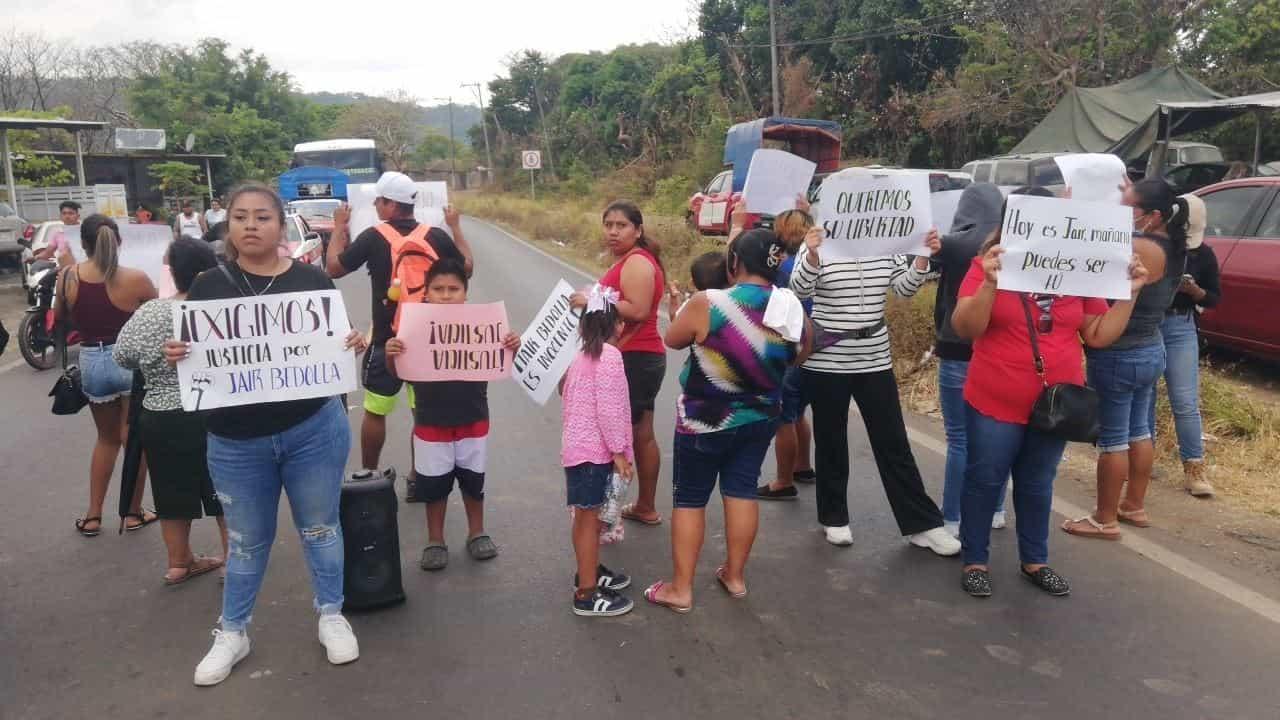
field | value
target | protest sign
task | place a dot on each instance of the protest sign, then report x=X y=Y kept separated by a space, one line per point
x=944 y=205
x=268 y=348
x=428 y=209
x=774 y=179
x=867 y=216
x=1066 y=247
x=452 y=342
x=1092 y=177
x=549 y=345
x=142 y=247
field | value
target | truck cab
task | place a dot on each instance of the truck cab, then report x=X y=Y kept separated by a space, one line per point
x=819 y=141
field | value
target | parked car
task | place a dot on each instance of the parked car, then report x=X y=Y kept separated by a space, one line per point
x=301 y=242
x=12 y=227
x=1244 y=231
x=318 y=214
x=1013 y=171
x=1193 y=176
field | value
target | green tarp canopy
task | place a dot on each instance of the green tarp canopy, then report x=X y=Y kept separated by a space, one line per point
x=1120 y=119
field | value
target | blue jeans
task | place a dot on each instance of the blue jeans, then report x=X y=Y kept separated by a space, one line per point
x=793 y=400
x=1126 y=384
x=951 y=377
x=734 y=455
x=587 y=484
x=308 y=462
x=1182 y=380
x=997 y=449
x=102 y=379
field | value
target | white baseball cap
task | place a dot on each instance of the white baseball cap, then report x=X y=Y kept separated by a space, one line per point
x=397 y=187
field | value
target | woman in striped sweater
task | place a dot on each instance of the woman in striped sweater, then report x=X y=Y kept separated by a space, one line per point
x=848 y=304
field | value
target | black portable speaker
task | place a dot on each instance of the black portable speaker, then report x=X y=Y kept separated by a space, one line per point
x=371 y=538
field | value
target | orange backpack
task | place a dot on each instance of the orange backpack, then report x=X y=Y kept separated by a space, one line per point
x=411 y=257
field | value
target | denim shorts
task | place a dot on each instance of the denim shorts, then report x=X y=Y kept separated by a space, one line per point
x=586 y=484
x=793 y=400
x=103 y=380
x=734 y=455
x=1125 y=381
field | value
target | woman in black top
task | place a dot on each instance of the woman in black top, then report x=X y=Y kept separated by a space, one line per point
x=1199 y=287
x=254 y=451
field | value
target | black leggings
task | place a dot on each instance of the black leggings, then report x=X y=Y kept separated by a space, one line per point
x=877 y=397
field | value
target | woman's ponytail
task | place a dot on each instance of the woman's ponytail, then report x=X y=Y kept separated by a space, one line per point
x=100 y=238
x=1178 y=224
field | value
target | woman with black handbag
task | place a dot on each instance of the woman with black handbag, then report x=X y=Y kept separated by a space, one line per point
x=1024 y=347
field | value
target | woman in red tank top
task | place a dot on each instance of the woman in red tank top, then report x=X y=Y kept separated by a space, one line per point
x=638 y=276
x=98 y=297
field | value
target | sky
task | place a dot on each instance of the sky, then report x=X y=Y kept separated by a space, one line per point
x=428 y=48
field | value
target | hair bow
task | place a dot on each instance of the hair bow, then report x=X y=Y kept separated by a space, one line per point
x=600 y=298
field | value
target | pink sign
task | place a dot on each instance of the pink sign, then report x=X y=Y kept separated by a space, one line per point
x=453 y=342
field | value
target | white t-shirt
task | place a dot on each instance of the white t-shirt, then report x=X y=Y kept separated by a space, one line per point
x=189 y=226
x=213 y=217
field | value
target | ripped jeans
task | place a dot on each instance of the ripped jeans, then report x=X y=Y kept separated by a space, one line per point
x=308 y=462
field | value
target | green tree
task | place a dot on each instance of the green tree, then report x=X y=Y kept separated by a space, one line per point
x=40 y=170
x=389 y=122
x=176 y=179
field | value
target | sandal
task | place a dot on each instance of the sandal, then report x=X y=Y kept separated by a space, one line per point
x=141 y=517
x=435 y=556
x=804 y=477
x=1048 y=580
x=651 y=594
x=481 y=547
x=764 y=492
x=977 y=583
x=629 y=513
x=1089 y=528
x=1136 y=518
x=200 y=564
x=720 y=579
x=82 y=522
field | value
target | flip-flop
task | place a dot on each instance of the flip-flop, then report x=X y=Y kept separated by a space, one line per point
x=1087 y=527
x=651 y=594
x=200 y=565
x=141 y=517
x=628 y=513
x=1136 y=518
x=723 y=584
x=80 y=526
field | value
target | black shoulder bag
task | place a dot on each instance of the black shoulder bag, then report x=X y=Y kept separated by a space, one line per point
x=1064 y=410
x=67 y=393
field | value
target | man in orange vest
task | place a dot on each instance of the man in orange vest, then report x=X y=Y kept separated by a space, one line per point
x=395 y=195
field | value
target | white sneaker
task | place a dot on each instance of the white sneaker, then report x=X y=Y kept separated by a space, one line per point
x=839 y=535
x=952 y=528
x=229 y=648
x=936 y=539
x=998 y=521
x=338 y=640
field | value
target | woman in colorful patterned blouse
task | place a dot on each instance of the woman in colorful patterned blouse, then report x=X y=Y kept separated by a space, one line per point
x=173 y=440
x=742 y=339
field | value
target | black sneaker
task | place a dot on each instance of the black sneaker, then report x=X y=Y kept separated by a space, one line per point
x=607 y=579
x=602 y=603
x=977 y=583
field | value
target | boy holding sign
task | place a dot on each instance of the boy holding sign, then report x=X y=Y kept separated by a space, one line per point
x=450 y=434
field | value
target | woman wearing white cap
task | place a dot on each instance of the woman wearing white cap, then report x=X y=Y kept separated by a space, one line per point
x=1199 y=288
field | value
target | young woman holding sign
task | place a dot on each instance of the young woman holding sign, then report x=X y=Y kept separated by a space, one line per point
x=255 y=451
x=1001 y=389
x=1125 y=374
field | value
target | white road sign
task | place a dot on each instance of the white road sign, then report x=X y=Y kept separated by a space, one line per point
x=531 y=159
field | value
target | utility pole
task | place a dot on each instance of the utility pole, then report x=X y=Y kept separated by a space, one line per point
x=484 y=128
x=773 y=56
x=453 y=145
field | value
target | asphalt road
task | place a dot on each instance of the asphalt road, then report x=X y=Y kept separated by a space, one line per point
x=880 y=630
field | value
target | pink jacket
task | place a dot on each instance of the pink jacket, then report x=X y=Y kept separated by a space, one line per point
x=597 y=410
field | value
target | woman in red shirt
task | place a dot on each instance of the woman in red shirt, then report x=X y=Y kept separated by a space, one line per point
x=637 y=274
x=1000 y=391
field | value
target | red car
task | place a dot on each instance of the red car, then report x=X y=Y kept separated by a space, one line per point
x=1244 y=231
x=711 y=207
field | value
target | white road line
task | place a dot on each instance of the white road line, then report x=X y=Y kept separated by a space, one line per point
x=1170 y=560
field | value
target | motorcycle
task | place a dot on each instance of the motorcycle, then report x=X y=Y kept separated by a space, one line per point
x=36 y=336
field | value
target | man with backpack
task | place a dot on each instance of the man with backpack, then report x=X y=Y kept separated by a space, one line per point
x=398 y=252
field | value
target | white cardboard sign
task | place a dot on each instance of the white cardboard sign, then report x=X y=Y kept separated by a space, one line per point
x=944 y=205
x=867 y=216
x=1092 y=177
x=428 y=209
x=1066 y=247
x=548 y=346
x=142 y=247
x=774 y=179
x=263 y=349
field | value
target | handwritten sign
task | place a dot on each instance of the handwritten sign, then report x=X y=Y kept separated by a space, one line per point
x=428 y=209
x=774 y=179
x=1092 y=177
x=944 y=205
x=1066 y=247
x=453 y=342
x=867 y=216
x=264 y=349
x=548 y=347
x=142 y=247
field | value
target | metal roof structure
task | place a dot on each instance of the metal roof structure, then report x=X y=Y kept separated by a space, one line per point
x=17 y=123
